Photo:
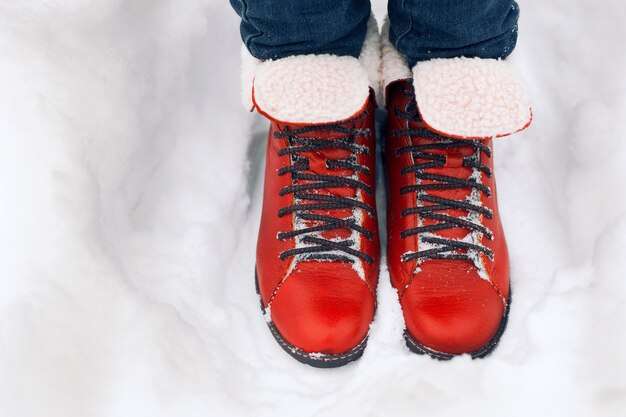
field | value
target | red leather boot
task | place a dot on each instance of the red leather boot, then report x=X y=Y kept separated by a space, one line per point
x=447 y=253
x=318 y=247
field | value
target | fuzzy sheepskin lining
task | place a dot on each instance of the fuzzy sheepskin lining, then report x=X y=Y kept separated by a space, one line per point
x=370 y=54
x=312 y=88
x=461 y=97
x=394 y=65
x=471 y=97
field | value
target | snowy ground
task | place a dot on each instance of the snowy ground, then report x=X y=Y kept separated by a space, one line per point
x=129 y=203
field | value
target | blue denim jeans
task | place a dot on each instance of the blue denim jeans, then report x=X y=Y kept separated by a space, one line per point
x=420 y=29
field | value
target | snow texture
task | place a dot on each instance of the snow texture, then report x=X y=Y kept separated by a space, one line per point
x=131 y=179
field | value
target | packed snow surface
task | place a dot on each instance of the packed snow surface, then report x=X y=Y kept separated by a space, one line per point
x=130 y=184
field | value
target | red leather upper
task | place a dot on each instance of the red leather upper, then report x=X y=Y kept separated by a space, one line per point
x=318 y=305
x=448 y=306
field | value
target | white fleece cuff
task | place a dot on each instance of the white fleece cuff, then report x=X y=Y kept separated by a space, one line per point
x=312 y=88
x=471 y=97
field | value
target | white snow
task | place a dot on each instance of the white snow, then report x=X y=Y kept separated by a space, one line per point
x=130 y=181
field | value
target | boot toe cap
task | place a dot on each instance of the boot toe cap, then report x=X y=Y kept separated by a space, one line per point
x=328 y=314
x=452 y=319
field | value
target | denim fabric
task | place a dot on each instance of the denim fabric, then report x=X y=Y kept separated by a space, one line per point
x=427 y=29
x=420 y=29
x=273 y=29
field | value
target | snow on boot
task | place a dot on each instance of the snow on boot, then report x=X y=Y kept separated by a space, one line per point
x=447 y=254
x=318 y=248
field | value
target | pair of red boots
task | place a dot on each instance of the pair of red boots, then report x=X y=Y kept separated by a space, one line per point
x=318 y=250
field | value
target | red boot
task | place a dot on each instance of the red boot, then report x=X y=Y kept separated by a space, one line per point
x=447 y=253
x=318 y=247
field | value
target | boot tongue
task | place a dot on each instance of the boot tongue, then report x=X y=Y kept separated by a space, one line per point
x=453 y=168
x=318 y=161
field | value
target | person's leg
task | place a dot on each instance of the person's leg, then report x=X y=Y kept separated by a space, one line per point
x=428 y=29
x=449 y=92
x=273 y=29
x=313 y=74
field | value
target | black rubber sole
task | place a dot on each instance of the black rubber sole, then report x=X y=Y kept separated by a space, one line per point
x=420 y=349
x=317 y=360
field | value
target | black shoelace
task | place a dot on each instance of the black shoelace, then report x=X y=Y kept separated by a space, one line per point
x=305 y=202
x=439 y=247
